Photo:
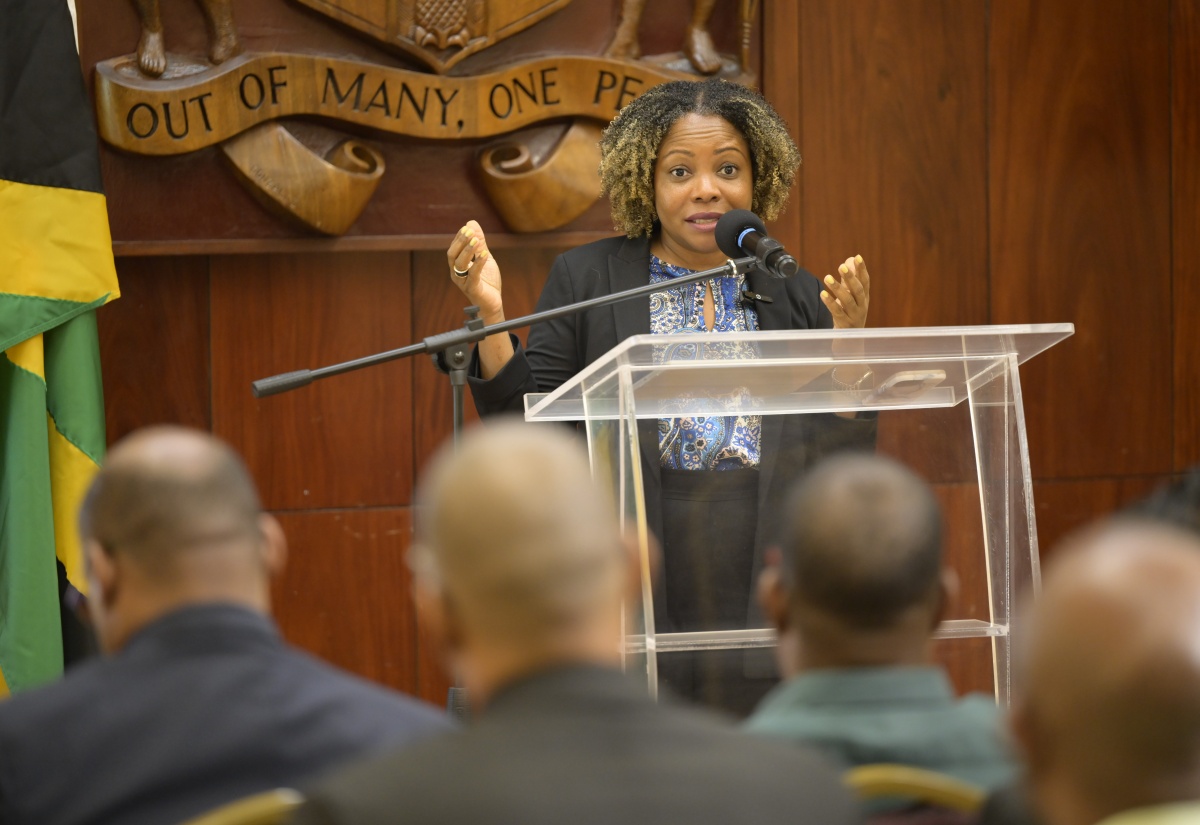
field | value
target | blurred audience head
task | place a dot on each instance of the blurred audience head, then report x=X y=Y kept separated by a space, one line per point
x=1107 y=704
x=171 y=519
x=858 y=577
x=518 y=560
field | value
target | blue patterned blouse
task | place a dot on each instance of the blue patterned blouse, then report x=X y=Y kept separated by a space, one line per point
x=710 y=442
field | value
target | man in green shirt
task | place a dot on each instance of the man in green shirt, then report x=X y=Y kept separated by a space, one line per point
x=855 y=591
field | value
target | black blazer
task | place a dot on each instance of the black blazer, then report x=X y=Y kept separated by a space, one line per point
x=585 y=745
x=202 y=707
x=560 y=348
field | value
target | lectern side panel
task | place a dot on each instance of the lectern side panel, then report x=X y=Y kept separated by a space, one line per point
x=1006 y=501
x=616 y=466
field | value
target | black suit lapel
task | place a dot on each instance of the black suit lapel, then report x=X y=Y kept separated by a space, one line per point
x=628 y=269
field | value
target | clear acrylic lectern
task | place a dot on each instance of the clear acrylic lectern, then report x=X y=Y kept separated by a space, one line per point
x=975 y=454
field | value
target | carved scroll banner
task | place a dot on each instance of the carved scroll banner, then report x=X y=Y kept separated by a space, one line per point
x=326 y=193
x=274 y=113
x=190 y=112
x=538 y=198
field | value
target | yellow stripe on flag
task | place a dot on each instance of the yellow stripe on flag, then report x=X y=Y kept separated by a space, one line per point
x=71 y=472
x=30 y=356
x=57 y=243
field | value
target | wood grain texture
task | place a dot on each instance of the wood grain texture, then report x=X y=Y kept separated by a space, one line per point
x=781 y=86
x=964 y=549
x=342 y=442
x=345 y=593
x=894 y=147
x=154 y=346
x=1080 y=199
x=1185 y=234
x=1064 y=506
x=937 y=443
x=969 y=663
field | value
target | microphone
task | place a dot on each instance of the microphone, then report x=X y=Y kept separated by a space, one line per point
x=742 y=232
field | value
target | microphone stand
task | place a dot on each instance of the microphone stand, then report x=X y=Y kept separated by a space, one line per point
x=451 y=354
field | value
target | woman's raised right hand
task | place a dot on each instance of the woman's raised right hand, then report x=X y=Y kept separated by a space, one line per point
x=469 y=253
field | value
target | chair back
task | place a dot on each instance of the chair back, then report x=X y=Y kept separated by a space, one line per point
x=267 y=808
x=933 y=798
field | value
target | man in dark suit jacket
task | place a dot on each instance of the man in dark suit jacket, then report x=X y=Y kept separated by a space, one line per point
x=520 y=571
x=198 y=701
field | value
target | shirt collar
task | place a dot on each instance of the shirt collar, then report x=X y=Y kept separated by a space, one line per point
x=205 y=627
x=864 y=686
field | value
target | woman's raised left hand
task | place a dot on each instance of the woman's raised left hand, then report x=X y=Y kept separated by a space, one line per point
x=848 y=293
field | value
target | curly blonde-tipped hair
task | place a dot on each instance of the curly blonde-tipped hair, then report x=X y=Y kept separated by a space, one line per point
x=629 y=147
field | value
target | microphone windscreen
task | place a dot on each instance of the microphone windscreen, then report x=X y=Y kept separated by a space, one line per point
x=730 y=227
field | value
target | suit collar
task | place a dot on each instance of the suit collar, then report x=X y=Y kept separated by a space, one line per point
x=627 y=269
x=586 y=686
x=205 y=627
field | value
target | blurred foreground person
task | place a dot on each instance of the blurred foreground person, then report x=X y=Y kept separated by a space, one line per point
x=198 y=701
x=1175 y=504
x=520 y=571
x=1108 y=700
x=856 y=591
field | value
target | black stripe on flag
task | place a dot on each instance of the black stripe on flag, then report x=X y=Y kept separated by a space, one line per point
x=47 y=132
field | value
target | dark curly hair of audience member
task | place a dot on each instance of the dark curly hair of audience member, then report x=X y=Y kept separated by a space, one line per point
x=629 y=147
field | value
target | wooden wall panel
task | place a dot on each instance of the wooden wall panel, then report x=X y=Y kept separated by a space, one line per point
x=894 y=153
x=154 y=346
x=969 y=663
x=437 y=306
x=1067 y=505
x=781 y=84
x=342 y=442
x=1080 y=199
x=345 y=593
x=1185 y=235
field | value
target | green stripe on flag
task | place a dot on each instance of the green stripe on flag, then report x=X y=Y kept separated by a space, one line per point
x=30 y=634
x=75 y=393
x=24 y=316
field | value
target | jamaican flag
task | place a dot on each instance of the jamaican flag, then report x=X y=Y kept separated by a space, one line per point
x=56 y=268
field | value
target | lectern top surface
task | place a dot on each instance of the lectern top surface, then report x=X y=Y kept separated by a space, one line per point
x=791 y=371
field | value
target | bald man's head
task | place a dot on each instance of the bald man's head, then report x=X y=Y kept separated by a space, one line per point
x=164 y=491
x=514 y=532
x=1109 y=689
x=863 y=541
x=172 y=518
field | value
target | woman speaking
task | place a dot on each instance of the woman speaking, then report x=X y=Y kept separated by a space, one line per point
x=672 y=162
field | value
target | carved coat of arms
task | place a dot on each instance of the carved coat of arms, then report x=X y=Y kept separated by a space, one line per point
x=259 y=107
x=439 y=33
